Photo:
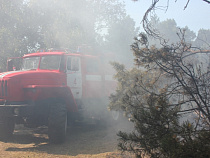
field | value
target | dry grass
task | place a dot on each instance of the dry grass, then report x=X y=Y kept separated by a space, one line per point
x=82 y=142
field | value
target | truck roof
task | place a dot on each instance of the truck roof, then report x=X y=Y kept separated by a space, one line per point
x=43 y=53
x=55 y=53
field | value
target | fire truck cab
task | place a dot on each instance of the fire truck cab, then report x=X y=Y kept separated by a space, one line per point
x=52 y=89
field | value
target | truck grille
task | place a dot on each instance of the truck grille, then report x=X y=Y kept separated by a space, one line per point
x=3 y=88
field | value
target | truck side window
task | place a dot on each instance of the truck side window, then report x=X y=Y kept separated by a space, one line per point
x=73 y=64
x=69 y=64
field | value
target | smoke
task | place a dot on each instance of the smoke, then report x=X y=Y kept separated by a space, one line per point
x=69 y=24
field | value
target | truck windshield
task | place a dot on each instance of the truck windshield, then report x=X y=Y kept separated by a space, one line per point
x=50 y=62
x=30 y=63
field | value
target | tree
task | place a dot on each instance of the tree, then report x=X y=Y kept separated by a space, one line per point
x=168 y=29
x=166 y=95
x=18 y=34
x=119 y=37
x=167 y=98
x=203 y=39
x=68 y=24
x=146 y=22
x=28 y=26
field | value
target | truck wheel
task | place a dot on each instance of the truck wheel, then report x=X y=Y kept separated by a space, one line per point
x=7 y=126
x=57 y=123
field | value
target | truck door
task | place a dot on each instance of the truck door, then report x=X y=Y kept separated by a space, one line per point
x=74 y=76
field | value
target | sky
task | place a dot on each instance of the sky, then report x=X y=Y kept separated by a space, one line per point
x=195 y=16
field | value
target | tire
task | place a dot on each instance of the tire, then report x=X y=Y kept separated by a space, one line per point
x=57 y=123
x=7 y=126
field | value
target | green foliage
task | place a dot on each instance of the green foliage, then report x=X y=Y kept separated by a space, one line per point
x=120 y=36
x=167 y=98
x=68 y=24
x=28 y=26
x=18 y=34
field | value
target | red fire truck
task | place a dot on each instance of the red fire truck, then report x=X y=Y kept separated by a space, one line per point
x=51 y=89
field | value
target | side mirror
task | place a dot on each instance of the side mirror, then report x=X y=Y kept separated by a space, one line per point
x=14 y=64
x=9 y=65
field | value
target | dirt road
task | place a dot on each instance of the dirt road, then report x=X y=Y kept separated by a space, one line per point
x=83 y=140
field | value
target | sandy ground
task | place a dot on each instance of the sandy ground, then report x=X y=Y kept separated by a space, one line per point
x=83 y=140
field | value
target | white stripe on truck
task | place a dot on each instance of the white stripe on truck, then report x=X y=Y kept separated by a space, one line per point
x=93 y=77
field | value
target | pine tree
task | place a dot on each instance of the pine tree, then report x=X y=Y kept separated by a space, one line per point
x=167 y=98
